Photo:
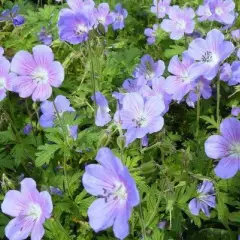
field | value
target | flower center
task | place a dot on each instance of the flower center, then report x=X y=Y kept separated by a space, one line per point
x=149 y=72
x=34 y=211
x=120 y=192
x=219 y=11
x=235 y=148
x=2 y=82
x=181 y=24
x=141 y=121
x=40 y=75
x=81 y=29
x=119 y=17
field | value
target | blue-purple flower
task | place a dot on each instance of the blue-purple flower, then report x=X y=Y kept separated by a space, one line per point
x=111 y=182
x=202 y=88
x=12 y=15
x=182 y=80
x=162 y=224
x=147 y=70
x=30 y=209
x=120 y=15
x=160 y=8
x=230 y=73
x=102 y=115
x=151 y=33
x=222 y=11
x=236 y=34
x=225 y=147
x=74 y=27
x=27 y=129
x=6 y=78
x=204 y=12
x=180 y=21
x=50 y=112
x=103 y=15
x=209 y=53
x=235 y=111
x=204 y=200
x=77 y=5
x=140 y=117
x=45 y=37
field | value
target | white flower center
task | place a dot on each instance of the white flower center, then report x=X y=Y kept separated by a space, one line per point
x=210 y=58
x=219 y=11
x=119 y=17
x=80 y=29
x=120 y=191
x=40 y=75
x=235 y=148
x=141 y=121
x=101 y=19
x=181 y=24
x=34 y=211
x=2 y=82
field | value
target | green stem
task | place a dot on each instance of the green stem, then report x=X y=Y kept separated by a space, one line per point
x=151 y=147
x=218 y=102
x=92 y=74
x=198 y=116
x=65 y=142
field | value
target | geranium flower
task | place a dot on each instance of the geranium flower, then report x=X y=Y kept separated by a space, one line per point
x=147 y=70
x=222 y=11
x=11 y=15
x=225 y=147
x=103 y=15
x=235 y=111
x=45 y=37
x=182 y=81
x=230 y=73
x=6 y=78
x=102 y=116
x=74 y=27
x=160 y=7
x=236 y=34
x=180 y=21
x=77 y=5
x=117 y=192
x=50 y=112
x=210 y=53
x=201 y=89
x=205 y=199
x=119 y=16
x=204 y=12
x=140 y=117
x=151 y=33
x=30 y=209
x=37 y=73
x=157 y=89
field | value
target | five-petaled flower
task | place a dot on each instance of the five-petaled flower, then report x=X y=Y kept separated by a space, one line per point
x=225 y=147
x=36 y=73
x=30 y=208
x=117 y=192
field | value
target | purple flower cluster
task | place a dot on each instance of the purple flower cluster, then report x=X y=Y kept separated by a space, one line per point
x=217 y=10
x=230 y=73
x=30 y=209
x=205 y=198
x=116 y=190
x=151 y=33
x=160 y=7
x=12 y=15
x=51 y=110
x=83 y=16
